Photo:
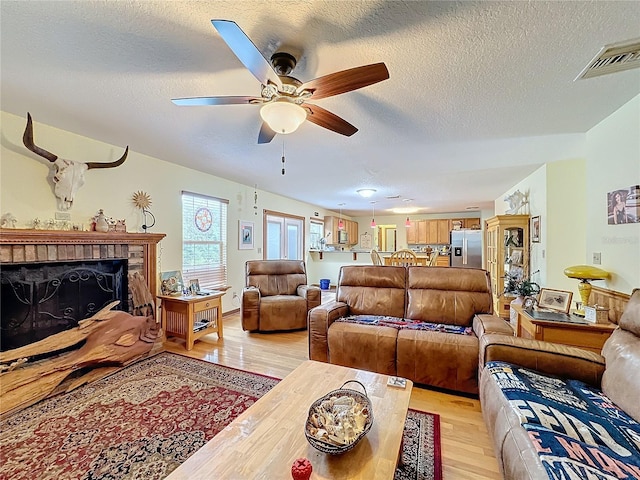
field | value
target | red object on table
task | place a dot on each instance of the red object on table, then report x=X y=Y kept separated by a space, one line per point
x=301 y=469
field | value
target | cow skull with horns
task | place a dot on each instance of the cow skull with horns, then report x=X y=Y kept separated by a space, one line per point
x=69 y=175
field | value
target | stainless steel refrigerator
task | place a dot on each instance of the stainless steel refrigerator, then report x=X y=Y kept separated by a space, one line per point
x=466 y=248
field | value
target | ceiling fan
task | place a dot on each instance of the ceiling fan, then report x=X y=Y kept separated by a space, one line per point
x=284 y=99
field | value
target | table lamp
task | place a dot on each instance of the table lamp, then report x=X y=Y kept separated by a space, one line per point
x=585 y=273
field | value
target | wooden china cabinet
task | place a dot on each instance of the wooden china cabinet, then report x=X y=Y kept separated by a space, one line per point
x=506 y=254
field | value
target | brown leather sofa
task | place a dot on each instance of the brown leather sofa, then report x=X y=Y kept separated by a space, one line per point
x=276 y=296
x=442 y=295
x=524 y=448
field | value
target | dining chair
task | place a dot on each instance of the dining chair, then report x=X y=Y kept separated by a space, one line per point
x=375 y=258
x=403 y=258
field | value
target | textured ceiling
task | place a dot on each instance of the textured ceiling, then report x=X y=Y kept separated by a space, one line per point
x=480 y=93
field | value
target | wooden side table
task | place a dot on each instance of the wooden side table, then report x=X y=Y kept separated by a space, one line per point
x=589 y=336
x=192 y=316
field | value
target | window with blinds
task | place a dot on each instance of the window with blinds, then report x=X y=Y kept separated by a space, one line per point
x=204 y=240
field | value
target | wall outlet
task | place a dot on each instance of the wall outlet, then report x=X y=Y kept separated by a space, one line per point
x=259 y=250
x=597 y=259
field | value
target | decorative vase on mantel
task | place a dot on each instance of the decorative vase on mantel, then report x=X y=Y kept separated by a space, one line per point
x=101 y=222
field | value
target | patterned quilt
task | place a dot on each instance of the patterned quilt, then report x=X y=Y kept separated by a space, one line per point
x=578 y=432
x=402 y=324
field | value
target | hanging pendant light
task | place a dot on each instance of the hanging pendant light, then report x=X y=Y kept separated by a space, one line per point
x=407 y=223
x=373 y=214
x=340 y=222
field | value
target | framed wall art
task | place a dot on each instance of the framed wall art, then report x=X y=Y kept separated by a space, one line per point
x=245 y=231
x=557 y=300
x=171 y=283
x=535 y=229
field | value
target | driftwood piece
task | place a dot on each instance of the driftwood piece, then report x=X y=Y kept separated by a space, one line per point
x=62 y=340
x=116 y=339
x=143 y=303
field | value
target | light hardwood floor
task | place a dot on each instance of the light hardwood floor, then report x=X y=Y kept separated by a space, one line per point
x=467 y=452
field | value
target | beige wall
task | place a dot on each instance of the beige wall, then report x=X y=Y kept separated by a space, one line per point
x=614 y=163
x=27 y=194
x=570 y=197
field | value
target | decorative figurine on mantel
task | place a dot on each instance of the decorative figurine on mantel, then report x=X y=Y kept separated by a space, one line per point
x=8 y=220
x=100 y=223
x=142 y=200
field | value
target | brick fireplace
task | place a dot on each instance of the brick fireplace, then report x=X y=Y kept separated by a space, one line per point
x=28 y=246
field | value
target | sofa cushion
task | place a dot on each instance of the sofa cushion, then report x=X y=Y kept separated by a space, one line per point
x=447 y=294
x=440 y=359
x=372 y=290
x=283 y=312
x=569 y=407
x=366 y=347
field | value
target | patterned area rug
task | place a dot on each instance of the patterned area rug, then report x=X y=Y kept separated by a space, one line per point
x=145 y=420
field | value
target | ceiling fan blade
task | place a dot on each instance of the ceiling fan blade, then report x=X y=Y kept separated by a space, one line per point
x=266 y=134
x=346 y=80
x=324 y=118
x=198 y=101
x=246 y=51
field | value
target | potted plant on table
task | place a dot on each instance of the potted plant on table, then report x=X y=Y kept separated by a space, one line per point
x=523 y=288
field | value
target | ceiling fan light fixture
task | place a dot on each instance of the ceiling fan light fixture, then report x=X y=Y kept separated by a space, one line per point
x=283 y=116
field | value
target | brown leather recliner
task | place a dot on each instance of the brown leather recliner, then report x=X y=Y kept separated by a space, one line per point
x=276 y=296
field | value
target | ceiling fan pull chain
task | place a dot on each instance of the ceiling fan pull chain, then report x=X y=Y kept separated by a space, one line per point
x=283 y=157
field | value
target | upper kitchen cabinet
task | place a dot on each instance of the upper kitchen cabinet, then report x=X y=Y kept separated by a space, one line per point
x=347 y=236
x=438 y=231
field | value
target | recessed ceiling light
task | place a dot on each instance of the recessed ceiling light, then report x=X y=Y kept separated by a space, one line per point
x=366 y=192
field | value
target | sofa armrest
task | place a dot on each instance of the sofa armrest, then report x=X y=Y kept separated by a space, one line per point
x=550 y=358
x=319 y=320
x=311 y=293
x=484 y=324
x=250 y=309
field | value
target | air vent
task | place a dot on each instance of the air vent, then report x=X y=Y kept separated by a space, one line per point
x=613 y=58
x=392 y=197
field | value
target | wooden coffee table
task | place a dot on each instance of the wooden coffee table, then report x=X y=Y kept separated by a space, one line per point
x=266 y=438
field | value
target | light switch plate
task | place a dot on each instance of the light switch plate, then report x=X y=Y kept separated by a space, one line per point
x=63 y=216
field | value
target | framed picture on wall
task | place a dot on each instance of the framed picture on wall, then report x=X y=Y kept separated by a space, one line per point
x=535 y=229
x=245 y=231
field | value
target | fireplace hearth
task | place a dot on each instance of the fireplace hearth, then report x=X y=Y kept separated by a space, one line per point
x=42 y=299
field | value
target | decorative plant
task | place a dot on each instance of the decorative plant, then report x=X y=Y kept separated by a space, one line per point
x=523 y=287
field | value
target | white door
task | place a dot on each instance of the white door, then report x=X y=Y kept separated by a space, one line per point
x=285 y=237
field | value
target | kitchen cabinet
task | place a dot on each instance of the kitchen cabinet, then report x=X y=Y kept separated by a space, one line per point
x=442 y=261
x=473 y=223
x=506 y=254
x=422 y=232
x=436 y=231
x=331 y=227
x=443 y=231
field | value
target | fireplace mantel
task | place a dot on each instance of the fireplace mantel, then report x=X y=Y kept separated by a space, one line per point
x=22 y=245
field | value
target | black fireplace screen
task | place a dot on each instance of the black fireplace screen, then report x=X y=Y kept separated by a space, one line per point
x=41 y=299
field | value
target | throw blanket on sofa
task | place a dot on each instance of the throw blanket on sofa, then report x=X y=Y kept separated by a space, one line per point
x=402 y=323
x=578 y=431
